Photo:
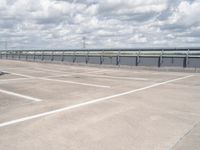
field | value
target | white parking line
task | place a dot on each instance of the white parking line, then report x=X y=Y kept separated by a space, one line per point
x=101 y=76
x=16 y=79
x=88 y=102
x=63 y=81
x=71 y=74
x=72 y=82
x=89 y=74
x=27 y=68
x=18 y=74
x=64 y=71
x=114 y=77
x=55 y=71
x=20 y=95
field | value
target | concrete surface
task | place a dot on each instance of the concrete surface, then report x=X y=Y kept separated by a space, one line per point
x=59 y=107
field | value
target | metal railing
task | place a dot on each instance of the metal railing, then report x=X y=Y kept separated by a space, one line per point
x=139 y=55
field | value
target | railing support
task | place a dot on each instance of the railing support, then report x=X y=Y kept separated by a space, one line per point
x=19 y=55
x=87 y=57
x=186 y=62
x=138 y=58
x=161 y=58
x=118 y=58
x=34 y=56
x=102 y=57
x=42 y=55
x=62 y=56
x=26 y=55
x=52 y=55
x=74 y=57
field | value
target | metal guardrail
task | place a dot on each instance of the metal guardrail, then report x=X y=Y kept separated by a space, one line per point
x=182 y=57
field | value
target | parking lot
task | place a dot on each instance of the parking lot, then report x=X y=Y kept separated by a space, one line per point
x=55 y=106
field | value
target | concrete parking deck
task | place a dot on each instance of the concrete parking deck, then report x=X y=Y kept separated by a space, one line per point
x=57 y=107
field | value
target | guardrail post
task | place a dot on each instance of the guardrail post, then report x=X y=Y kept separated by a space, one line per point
x=1 y=55
x=118 y=58
x=62 y=56
x=187 y=59
x=26 y=55
x=161 y=59
x=138 y=58
x=52 y=55
x=19 y=55
x=34 y=55
x=74 y=57
x=42 y=55
x=87 y=57
x=102 y=57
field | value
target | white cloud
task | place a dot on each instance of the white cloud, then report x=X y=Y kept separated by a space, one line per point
x=138 y=38
x=133 y=5
x=3 y=4
x=105 y=23
x=187 y=13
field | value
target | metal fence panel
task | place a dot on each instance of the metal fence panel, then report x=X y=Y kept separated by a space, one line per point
x=110 y=60
x=80 y=59
x=130 y=57
x=173 y=62
x=128 y=60
x=94 y=60
x=194 y=62
x=57 y=58
x=148 y=61
x=68 y=59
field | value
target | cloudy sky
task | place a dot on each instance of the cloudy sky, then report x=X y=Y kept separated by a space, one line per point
x=105 y=23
